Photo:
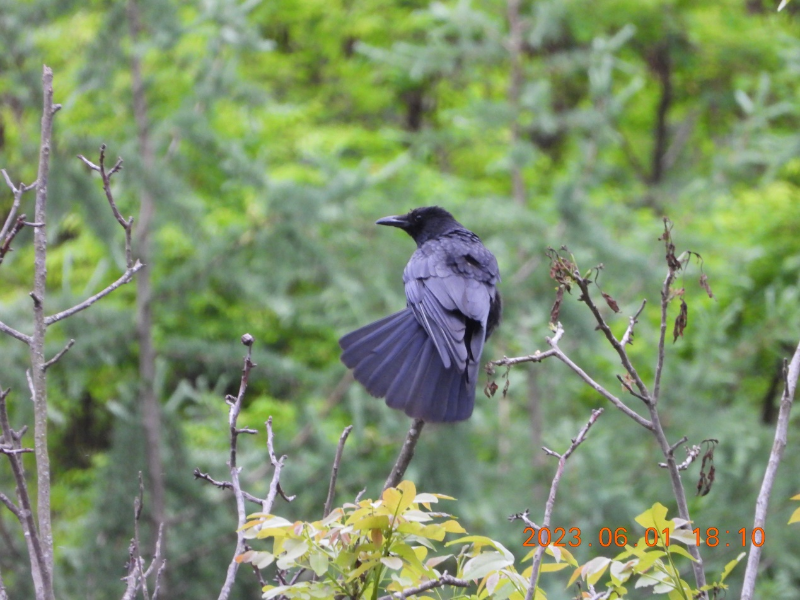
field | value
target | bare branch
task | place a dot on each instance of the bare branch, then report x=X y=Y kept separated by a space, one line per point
x=126 y=277
x=15 y=334
x=127 y=224
x=551 y=499
x=627 y=337
x=41 y=575
x=663 y=334
x=559 y=354
x=445 y=579
x=586 y=298
x=11 y=506
x=335 y=471
x=17 y=191
x=791 y=375
x=233 y=415
x=5 y=245
x=406 y=454
x=277 y=463
x=58 y=356
x=523 y=516
x=691 y=455
x=226 y=485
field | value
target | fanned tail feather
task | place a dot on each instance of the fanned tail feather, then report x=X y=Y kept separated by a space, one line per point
x=394 y=358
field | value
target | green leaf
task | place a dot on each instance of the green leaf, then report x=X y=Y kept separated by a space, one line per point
x=485 y=563
x=655 y=517
x=593 y=570
x=729 y=567
x=393 y=562
x=294 y=549
x=319 y=563
x=682 y=551
x=373 y=522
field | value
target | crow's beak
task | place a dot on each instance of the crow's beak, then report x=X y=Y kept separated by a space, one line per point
x=395 y=221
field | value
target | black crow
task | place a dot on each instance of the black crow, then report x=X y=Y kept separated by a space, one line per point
x=425 y=359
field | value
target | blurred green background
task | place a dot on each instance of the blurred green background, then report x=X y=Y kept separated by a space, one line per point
x=282 y=129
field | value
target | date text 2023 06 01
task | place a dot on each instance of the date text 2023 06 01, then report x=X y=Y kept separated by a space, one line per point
x=652 y=537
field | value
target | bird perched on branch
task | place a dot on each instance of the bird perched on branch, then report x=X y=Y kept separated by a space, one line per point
x=425 y=358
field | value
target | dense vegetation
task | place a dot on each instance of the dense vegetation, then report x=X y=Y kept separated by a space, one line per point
x=281 y=130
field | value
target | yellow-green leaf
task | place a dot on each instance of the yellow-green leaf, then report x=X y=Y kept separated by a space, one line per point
x=729 y=567
x=319 y=563
x=795 y=517
x=393 y=562
x=594 y=569
x=655 y=517
x=366 y=566
x=552 y=567
x=648 y=560
x=682 y=551
x=335 y=515
x=391 y=498
x=452 y=526
x=478 y=540
x=485 y=563
x=409 y=491
x=372 y=522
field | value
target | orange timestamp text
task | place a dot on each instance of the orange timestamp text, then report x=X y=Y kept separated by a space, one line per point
x=618 y=537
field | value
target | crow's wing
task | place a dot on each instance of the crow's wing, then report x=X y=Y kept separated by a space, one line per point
x=448 y=281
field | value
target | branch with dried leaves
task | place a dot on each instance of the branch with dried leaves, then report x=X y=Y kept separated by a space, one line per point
x=566 y=273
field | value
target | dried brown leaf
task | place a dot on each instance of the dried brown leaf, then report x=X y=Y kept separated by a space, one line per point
x=556 y=310
x=490 y=389
x=612 y=304
x=680 y=321
x=705 y=286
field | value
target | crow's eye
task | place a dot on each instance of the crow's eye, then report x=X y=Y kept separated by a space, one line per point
x=417 y=218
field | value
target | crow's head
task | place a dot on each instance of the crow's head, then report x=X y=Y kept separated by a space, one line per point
x=424 y=223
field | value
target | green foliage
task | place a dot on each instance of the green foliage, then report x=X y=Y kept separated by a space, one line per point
x=650 y=562
x=383 y=546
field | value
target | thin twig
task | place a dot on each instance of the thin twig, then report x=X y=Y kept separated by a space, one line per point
x=11 y=506
x=126 y=277
x=58 y=356
x=5 y=245
x=445 y=579
x=662 y=334
x=335 y=471
x=17 y=191
x=226 y=485
x=791 y=375
x=627 y=337
x=551 y=499
x=406 y=454
x=523 y=516
x=127 y=225
x=586 y=298
x=15 y=334
x=138 y=504
x=277 y=463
